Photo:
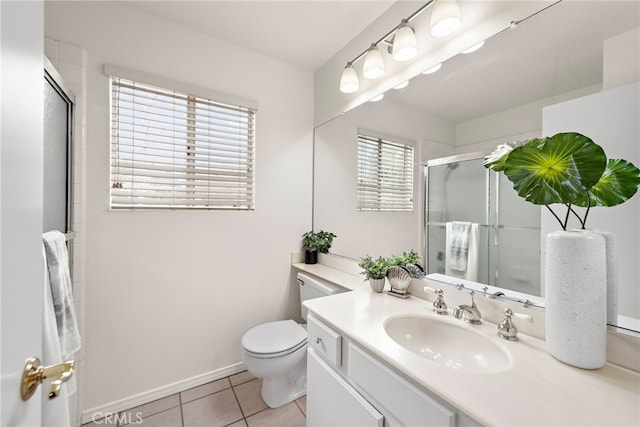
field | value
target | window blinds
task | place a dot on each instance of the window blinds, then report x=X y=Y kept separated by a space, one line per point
x=170 y=150
x=385 y=175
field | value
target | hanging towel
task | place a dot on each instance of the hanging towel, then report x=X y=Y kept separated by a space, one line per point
x=62 y=293
x=55 y=412
x=461 y=250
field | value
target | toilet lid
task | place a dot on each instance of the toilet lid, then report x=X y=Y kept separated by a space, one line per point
x=274 y=337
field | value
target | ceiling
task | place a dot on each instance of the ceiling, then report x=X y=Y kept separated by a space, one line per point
x=303 y=33
x=557 y=51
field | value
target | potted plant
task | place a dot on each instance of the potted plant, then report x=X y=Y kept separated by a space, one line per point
x=375 y=270
x=312 y=243
x=410 y=257
x=570 y=170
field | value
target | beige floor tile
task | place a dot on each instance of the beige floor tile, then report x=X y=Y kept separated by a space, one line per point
x=169 y=418
x=204 y=390
x=286 y=416
x=250 y=397
x=240 y=423
x=219 y=409
x=151 y=408
x=302 y=404
x=240 y=378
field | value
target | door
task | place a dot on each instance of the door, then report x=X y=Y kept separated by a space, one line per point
x=331 y=401
x=21 y=264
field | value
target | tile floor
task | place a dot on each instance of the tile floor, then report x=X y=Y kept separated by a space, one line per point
x=234 y=401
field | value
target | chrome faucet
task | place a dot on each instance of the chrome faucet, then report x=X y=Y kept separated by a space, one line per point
x=468 y=313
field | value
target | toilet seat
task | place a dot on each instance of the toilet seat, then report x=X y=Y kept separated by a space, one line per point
x=274 y=339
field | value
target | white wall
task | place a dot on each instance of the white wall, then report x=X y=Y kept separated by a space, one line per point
x=335 y=197
x=169 y=294
x=621 y=59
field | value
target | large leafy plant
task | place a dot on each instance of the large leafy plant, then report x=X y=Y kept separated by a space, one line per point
x=567 y=168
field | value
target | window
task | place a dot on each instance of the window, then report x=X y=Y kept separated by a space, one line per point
x=173 y=150
x=385 y=175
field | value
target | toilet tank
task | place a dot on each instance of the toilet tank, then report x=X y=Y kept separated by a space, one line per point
x=314 y=287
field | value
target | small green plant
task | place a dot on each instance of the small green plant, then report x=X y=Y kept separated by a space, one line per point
x=374 y=268
x=411 y=257
x=320 y=241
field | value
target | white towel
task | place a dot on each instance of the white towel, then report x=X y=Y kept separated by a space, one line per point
x=461 y=250
x=55 y=412
x=62 y=292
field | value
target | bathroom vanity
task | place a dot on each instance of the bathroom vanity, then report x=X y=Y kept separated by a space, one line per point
x=367 y=366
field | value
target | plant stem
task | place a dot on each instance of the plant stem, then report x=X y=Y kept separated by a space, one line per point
x=566 y=218
x=556 y=216
x=576 y=214
x=586 y=214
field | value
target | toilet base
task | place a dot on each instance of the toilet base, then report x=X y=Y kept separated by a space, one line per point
x=279 y=391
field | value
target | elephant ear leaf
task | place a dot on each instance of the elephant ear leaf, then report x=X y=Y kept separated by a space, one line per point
x=557 y=169
x=618 y=183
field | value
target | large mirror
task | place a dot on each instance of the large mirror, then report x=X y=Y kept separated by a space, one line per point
x=474 y=102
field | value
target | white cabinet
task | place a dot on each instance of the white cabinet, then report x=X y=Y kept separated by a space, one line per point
x=348 y=386
x=409 y=405
x=331 y=401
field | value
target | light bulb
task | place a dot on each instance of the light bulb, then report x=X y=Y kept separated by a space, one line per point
x=405 y=45
x=402 y=85
x=474 y=47
x=373 y=63
x=349 y=81
x=432 y=69
x=445 y=17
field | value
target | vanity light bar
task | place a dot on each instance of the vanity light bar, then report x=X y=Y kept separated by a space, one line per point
x=374 y=48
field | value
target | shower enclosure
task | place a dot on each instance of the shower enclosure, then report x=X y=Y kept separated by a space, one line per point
x=461 y=189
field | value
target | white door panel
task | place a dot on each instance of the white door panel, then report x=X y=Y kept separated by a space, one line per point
x=21 y=265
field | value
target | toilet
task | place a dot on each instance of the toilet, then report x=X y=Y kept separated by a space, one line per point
x=277 y=351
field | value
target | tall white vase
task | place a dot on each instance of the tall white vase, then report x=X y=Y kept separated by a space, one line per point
x=612 y=276
x=576 y=298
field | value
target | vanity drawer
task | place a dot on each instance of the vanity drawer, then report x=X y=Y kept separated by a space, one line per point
x=411 y=406
x=325 y=340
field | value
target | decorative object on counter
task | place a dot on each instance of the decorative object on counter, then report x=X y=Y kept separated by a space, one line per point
x=399 y=274
x=570 y=169
x=506 y=328
x=312 y=243
x=375 y=270
x=399 y=279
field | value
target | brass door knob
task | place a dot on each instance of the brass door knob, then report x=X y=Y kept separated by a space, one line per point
x=35 y=374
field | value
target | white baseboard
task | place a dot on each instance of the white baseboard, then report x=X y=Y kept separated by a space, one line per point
x=159 y=393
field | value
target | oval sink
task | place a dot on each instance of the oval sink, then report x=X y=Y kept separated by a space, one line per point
x=450 y=345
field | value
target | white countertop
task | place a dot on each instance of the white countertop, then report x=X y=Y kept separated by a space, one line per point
x=536 y=390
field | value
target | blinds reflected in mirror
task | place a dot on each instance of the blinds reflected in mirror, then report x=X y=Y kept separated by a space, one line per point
x=170 y=150
x=385 y=175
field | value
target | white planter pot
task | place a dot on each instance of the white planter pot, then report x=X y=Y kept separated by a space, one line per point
x=377 y=285
x=576 y=298
x=612 y=277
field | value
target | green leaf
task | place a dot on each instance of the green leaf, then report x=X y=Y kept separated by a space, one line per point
x=557 y=169
x=618 y=183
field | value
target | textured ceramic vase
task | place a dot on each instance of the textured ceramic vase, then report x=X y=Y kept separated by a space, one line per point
x=576 y=298
x=612 y=276
x=377 y=285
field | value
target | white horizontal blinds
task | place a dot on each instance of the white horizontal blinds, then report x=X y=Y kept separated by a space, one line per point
x=172 y=150
x=385 y=175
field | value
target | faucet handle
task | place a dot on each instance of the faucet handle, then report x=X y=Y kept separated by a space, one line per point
x=439 y=306
x=506 y=328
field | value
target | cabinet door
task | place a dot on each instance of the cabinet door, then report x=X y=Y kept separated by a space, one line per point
x=331 y=401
